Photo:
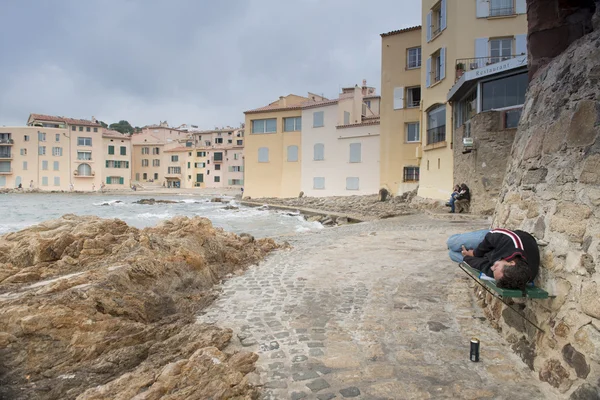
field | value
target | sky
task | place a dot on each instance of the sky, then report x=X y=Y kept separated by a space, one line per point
x=196 y=62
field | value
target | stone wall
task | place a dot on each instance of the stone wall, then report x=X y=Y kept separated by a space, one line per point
x=484 y=167
x=552 y=189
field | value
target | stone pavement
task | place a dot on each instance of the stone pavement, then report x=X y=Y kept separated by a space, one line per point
x=369 y=311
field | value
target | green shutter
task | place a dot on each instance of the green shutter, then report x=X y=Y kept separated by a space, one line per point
x=121 y=180
x=126 y=164
x=123 y=151
x=108 y=180
x=106 y=163
x=189 y=165
x=111 y=149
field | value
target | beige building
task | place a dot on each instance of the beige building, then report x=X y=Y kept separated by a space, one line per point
x=459 y=36
x=150 y=163
x=116 y=170
x=400 y=109
x=52 y=153
x=340 y=144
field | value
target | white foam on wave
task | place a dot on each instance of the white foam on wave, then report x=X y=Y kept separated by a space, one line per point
x=193 y=201
x=152 y=216
x=115 y=202
x=15 y=226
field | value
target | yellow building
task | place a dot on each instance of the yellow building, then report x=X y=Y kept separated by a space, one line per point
x=273 y=133
x=458 y=36
x=400 y=109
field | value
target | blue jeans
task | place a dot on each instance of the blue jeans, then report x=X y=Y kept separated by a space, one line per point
x=452 y=200
x=470 y=240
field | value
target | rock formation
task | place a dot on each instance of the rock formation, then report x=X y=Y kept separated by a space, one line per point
x=552 y=190
x=95 y=309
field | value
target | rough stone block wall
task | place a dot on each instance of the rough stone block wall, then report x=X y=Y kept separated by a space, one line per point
x=483 y=168
x=552 y=189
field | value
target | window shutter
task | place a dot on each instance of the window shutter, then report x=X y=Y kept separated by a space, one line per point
x=398 y=98
x=108 y=180
x=483 y=8
x=318 y=183
x=521 y=7
x=521 y=44
x=429 y=26
x=442 y=63
x=481 y=50
x=443 y=11
x=352 y=183
x=106 y=163
x=355 y=152
x=292 y=153
x=319 y=149
x=121 y=180
x=126 y=164
x=428 y=73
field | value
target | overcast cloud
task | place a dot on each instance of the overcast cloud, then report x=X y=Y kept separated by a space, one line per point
x=185 y=61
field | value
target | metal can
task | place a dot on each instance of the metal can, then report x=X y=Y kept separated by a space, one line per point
x=474 y=356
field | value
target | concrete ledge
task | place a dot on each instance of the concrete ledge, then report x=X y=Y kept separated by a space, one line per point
x=310 y=211
x=445 y=215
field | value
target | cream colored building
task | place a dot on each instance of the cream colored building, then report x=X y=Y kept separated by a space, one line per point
x=116 y=170
x=150 y=163
x=458 y=36
x=52 y=153
x=340 y=144
x=400 y=109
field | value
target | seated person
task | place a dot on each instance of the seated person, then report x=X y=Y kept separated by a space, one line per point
x=455 y=193
x=464 y=196
x=512 y=258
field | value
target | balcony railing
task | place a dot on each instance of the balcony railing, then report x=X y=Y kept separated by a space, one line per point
x=469 y=64
x=220 y=161
x=6 y=154
x=6 y=171
x=501 y=11
x=7 y=141
x=435 y=135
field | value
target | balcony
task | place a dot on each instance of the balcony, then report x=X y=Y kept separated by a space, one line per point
x=219 y=161
x=435 y=135
x=89 y=175
x=8 y=171
x=502 y=11
x=6 y=142
x=470 y=64
x=5 y=155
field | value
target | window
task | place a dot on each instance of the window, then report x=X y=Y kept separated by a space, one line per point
x=55 y=165
x=45 y=165
x=84 y=170
x=218 y=156
x=229 y=141
x=95 y=129
x=24 y=165
x=235 y=156
x=436 y=67
x=413 y=97
x=73 y=128
x=58 y=137
x=145 y=150
x=411 y=174
x=500 y=49
x=111 y=150
x=123 y=150
x=26 y=138
x=87 y=129
x=218 y=140
x=174 y=158
x=201 y=154
x=217 y=167
x=501 y=7
x=292 y=124
x=239 y=142
x=156 y=175
x=145 y=162
x=41 y=137
x=199 y=165
x=318 y=183
x=505 y=92
x=23 y=152
x=263 y=154
x=319 y=152
x=466 y=108
x=346 y=118
x=42 y=150
x=115 y=180
x=156 y=163
x=117 y=164
x=145 y=175
x=352 y=183
x=292 y=153
x=412 y=132
x=436 y=20
x=436 y=125
x=236 y=168
x=174 y=170
x=44 y=181
x=414 y=58
x=156 y=150
x=355 y=152
x=236 y=182
x=264 y=125
x=84 y=141
x=318 y=117
x=512 y=117
x=217 y=179
x=84 y=155
x=207 y=143
x=57 y=181
x=81 y=129
x=189 y=165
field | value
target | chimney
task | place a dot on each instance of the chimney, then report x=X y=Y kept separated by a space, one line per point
x=364 y=82
x=282 y=102
x=94 y=119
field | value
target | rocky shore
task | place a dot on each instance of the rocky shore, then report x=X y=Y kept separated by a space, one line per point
x=92 y=308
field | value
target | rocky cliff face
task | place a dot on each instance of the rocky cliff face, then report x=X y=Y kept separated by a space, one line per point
x=552 y=190
x=95 y=309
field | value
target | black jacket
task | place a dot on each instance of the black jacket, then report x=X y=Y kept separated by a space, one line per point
x=502 y=244
x=464 y=196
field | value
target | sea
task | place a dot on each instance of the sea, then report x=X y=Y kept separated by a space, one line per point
x=22 y=210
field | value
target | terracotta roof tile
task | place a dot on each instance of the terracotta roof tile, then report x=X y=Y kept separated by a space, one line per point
x=364 y=123
x=178 y=150
x=412 y=28
x=65 y=120
x=114 y=134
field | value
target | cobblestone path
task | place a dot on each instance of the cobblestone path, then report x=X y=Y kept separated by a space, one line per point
x=369 y=311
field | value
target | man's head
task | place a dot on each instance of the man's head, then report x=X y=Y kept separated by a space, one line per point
x=514 y=274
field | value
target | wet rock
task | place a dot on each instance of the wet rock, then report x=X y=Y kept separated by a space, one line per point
x=154 y=201
x=230 y=207
x=351 y=391
x=216 y=200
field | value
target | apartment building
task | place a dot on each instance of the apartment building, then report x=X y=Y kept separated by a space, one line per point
x=340 y=144
x=52 y=153
x=400 y=109
x=457 y=37
x=116 y=170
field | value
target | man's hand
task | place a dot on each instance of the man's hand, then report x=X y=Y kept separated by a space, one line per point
x=466 y=252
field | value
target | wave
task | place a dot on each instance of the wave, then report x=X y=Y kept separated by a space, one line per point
x=115 y=202
x=151 y=216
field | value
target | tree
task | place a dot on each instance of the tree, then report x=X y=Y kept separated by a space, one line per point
x=122 y=126
x=104 y=124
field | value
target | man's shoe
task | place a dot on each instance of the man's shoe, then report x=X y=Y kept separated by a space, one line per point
x=451 y=212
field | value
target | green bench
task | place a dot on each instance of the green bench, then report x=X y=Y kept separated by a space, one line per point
x=531 y=292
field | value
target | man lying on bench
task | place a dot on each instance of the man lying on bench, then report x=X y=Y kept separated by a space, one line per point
x=512 y=258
